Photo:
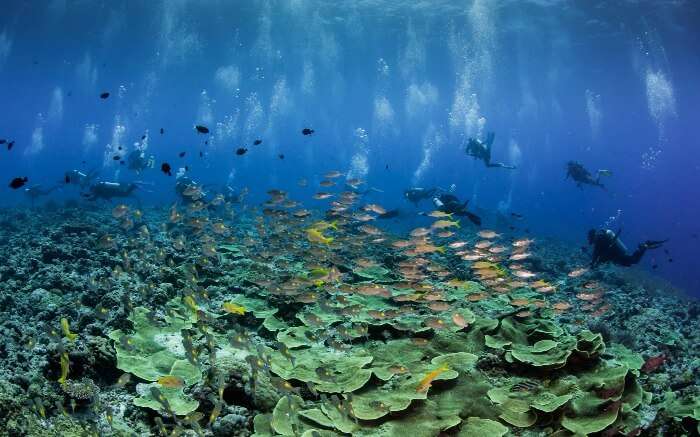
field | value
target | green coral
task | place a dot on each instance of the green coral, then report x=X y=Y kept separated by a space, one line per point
x=180 y=403
x=609 y=394
x=682 y=408
x=346 y=371
x=155 y=350
x=589 y=345
x=260 y=308
x=373 y=273
x=476 y=426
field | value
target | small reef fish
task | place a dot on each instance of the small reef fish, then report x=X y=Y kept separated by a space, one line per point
x=240 y=340
x=442 y=224
x=190 y=303
x=488 y=234
x=215 y=412
x=105 y=242
x=322 y=226
x=439 y=214
x=523 y=274
x=65 y=327
x=65 y=366
x=284 y=350
x=315 y=236
x=171 y=381
x=653 y=363
x=459 y=320
x=18 y=182
x=428 y=379
x=522 y=243
x=377 y=209
x=483 y=244
x=283 y=385
x=123 y=380
x=420 y=232
x=162 y=400
x=233 y=308
x=120 y=211
x=578 y=272
x=333 y=174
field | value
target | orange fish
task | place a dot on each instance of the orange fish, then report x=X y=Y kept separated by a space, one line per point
x=459 y=320
x=578 y=272
x=428 y=379
x=171 y=381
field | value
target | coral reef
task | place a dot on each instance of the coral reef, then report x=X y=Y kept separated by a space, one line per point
x=269 y=335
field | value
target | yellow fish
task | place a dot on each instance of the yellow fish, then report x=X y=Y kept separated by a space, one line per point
x=315 y=236
x=428 y=379
x=439 y=214
x=322 y=226
x=65 y=326
x=442 y=224
x=171 y=381
x=233 y=308
x=191 y=303
x=65 y=364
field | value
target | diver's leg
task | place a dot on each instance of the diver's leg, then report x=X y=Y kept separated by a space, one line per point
x=500 y=165
x=654 y=244
x=629 y=260
x=473 y=218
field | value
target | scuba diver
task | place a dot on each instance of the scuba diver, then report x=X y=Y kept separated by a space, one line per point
x=110 y=190
x=35 y=191
x=231 y=196
x=607 y=247
x=76 y=177
x=581 y=175
x=449 y=204
x=137 y=161
x=415 y=195
x=482 y=150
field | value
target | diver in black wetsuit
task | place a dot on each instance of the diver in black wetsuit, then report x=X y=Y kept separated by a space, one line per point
x=580 y=174
x=607 y=247
x=482 y=151
x=415 y=195
x=138 y=161
x=110 y=190
x=449 y=204
x=36 y=191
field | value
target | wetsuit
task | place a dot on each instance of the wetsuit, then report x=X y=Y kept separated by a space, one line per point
x=482 y=150
x=415 y=195
x=451 y=205
x=607 y=247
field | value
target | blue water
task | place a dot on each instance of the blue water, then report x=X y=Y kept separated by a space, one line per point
x=392 y=91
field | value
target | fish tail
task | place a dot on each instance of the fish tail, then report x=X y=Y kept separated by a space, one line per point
x=334 y=225
x=441 y=249
x=457 y=223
